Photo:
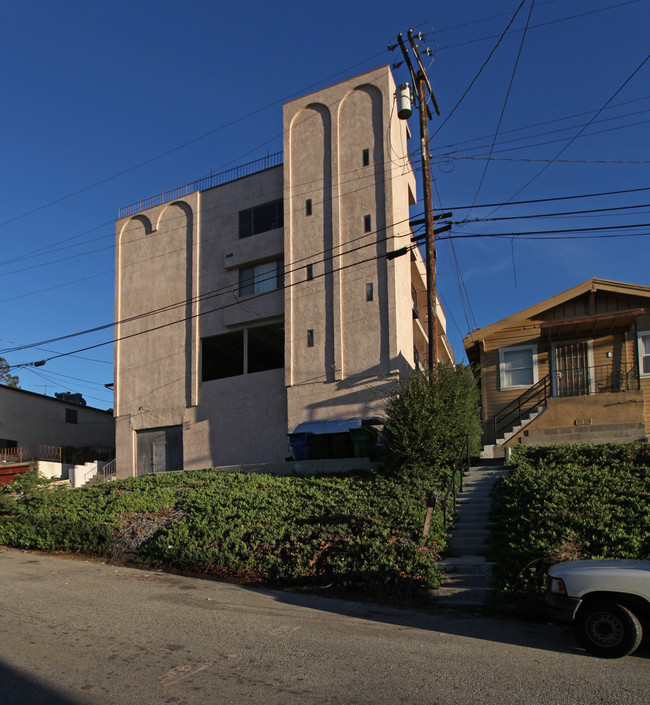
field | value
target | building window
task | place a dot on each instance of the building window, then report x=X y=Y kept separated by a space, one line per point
x=310 y=338
x=644 y=353
x=259 y=219
x=367 y=223
x=260 y=278
x=369 y=292
x=310 y=272
x=366 y=157
x=71 y=416
x=308 y=206
x=518 y=366
x=265 y=350
x=242 y=352
x=222 y=356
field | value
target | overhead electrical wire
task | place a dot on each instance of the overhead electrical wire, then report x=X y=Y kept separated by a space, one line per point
x=505 y=102
x=584 y=127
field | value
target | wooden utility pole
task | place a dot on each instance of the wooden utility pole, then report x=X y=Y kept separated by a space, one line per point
x=422 y=84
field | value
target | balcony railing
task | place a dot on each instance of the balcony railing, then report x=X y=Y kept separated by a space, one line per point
x=222 y=177
x=26 y=454
x=597 y=379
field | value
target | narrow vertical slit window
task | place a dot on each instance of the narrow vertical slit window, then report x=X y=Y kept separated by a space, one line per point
x=310 y=338
x=366 y=157
x=369 y=292
x=308 y=206
x=310 y=272
x=367 y=223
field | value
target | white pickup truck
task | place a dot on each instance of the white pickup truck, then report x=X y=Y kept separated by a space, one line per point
x=608 y=602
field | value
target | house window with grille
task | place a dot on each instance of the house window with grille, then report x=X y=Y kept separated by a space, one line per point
x=71 y=416
x=518 y=366
x=260 y=278
x=644 y=353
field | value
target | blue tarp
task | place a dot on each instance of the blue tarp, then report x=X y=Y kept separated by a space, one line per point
x=334 y=425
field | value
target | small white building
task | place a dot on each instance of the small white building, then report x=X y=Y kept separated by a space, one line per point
x=29 y=421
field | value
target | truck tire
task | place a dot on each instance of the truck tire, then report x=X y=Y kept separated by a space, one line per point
x=607 y=629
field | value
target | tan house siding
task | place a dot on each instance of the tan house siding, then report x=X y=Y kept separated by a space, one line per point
x=586 y=341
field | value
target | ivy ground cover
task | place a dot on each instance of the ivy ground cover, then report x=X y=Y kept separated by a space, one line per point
x=358 y=532
x=567 y=503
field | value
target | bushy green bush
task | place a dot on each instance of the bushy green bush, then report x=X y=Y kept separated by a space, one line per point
x=570 y=502
x=427 y=421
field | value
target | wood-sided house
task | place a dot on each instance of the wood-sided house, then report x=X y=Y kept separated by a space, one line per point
x=574 y=368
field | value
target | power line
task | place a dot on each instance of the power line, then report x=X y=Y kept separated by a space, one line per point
x=584 y=127
x=184 y=144
x=505 y=102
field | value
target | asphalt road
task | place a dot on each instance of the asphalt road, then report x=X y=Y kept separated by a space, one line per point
x=78 y=632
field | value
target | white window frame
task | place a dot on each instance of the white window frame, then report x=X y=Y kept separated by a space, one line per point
x=502 y=375
x=639 y=337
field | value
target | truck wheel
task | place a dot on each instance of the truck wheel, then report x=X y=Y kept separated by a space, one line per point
x=607 y=629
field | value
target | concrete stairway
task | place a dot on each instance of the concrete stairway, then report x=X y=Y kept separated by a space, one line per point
x=466 y=579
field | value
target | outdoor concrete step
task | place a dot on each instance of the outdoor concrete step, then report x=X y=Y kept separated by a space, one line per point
x=474 y=523
x=468 y=535
x=460 y=597
x=460 y=548
x=465 y=564
x=473 y=580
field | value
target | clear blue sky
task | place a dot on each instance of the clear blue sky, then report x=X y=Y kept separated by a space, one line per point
x=106 y=103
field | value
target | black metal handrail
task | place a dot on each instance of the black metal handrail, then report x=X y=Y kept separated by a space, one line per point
x=218 y=179
x=453 y=487
x=462 y=465
x=513 y=414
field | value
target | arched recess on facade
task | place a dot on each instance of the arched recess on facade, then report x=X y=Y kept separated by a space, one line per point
x=362 y=195
x=170 y=219
x=310 y=178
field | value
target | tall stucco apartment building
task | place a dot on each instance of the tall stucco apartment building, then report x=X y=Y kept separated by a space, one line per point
x=255 y=301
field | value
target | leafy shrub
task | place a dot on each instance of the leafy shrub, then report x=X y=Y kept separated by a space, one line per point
x=427 y=422
x=356 y=531
x=570 y=502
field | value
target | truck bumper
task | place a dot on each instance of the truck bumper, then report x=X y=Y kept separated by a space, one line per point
x=561 y=608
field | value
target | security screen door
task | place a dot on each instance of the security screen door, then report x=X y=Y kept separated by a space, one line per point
x=572 y=374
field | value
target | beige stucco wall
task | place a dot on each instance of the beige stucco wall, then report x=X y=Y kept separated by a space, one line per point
x=189 y=253
x=34 y=419
x=359 y=346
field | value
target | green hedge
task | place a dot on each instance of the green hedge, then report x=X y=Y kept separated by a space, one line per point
x=569 y=502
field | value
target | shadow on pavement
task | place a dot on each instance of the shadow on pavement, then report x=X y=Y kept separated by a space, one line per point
x=19 y=689
x=468 y=623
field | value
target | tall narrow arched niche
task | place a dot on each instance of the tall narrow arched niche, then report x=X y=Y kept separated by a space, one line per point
x=362 y=214
x=307 y=239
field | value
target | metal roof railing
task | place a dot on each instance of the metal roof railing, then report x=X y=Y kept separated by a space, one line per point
x=207 y=182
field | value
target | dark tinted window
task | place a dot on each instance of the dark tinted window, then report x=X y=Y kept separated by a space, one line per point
x=259 y=219
x=265 y=348
x=223 y=356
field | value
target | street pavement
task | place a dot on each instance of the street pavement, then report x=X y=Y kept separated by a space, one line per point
x=77 y=632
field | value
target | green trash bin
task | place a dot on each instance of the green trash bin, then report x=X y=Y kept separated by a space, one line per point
x=319 y=445
x=364 y=442
x=341 y=446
